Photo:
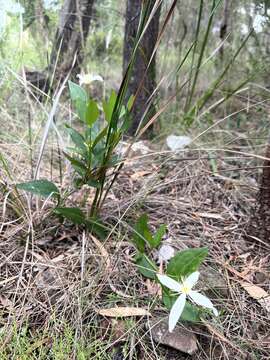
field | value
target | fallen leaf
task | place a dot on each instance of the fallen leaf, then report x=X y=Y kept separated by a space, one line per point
x=123 y=312
x=257 y=293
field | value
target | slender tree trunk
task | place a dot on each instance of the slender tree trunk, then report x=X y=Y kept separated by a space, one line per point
x=143 y=57
x=69 y=42
x=260 y=221
x=70 y=38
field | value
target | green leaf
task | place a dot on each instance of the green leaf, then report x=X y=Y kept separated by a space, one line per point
x=142 y=234
x=97 y=227
x=77 y=139
x=76 y=216
x=186 y=262
x=71 y=213
x=40 y=187
x=190 y=313
x=109 y=106
x=146 y=267
x=77 y=92
x=159 y=235
x=79 y=98
x=126 y=123
x=92 y=113
x=94 y=183
x=100 y=136
x=75 y=162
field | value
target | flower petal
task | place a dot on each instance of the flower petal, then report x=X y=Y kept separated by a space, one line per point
x=176 y=311
x=192 y=279
x=202 y=300
x=169 y=283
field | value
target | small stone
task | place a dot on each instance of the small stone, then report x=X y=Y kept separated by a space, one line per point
x=180 y=339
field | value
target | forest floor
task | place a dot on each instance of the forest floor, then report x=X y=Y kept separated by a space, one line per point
x=56 y=278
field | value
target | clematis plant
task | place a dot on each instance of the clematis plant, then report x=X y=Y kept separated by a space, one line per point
x=184 y=289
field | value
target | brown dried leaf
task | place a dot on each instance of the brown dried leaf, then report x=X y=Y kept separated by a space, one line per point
x=257 y=293
x=123 y=312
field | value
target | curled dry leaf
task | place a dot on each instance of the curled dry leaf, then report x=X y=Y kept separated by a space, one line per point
x=257 y=293
x=123 y=312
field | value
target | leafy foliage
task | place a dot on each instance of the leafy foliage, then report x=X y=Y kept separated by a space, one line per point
x=186 y=262
x=142 y=234
x=43 y=188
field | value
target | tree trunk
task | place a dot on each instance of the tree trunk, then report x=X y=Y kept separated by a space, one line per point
x=224 y=27
x=70 y=38
x=260 y=221
x=142 y=59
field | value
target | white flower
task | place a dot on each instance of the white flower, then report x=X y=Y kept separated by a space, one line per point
x=89 y=78
x=184 y=288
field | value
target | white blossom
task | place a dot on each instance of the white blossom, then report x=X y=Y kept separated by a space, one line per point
x=89 y=78
x=184 y=289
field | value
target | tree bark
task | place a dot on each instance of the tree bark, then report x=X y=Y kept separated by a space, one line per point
x=142 y=59
x=260 y=221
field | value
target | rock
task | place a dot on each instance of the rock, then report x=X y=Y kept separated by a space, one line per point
x=175 y=143
x=180 y=339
